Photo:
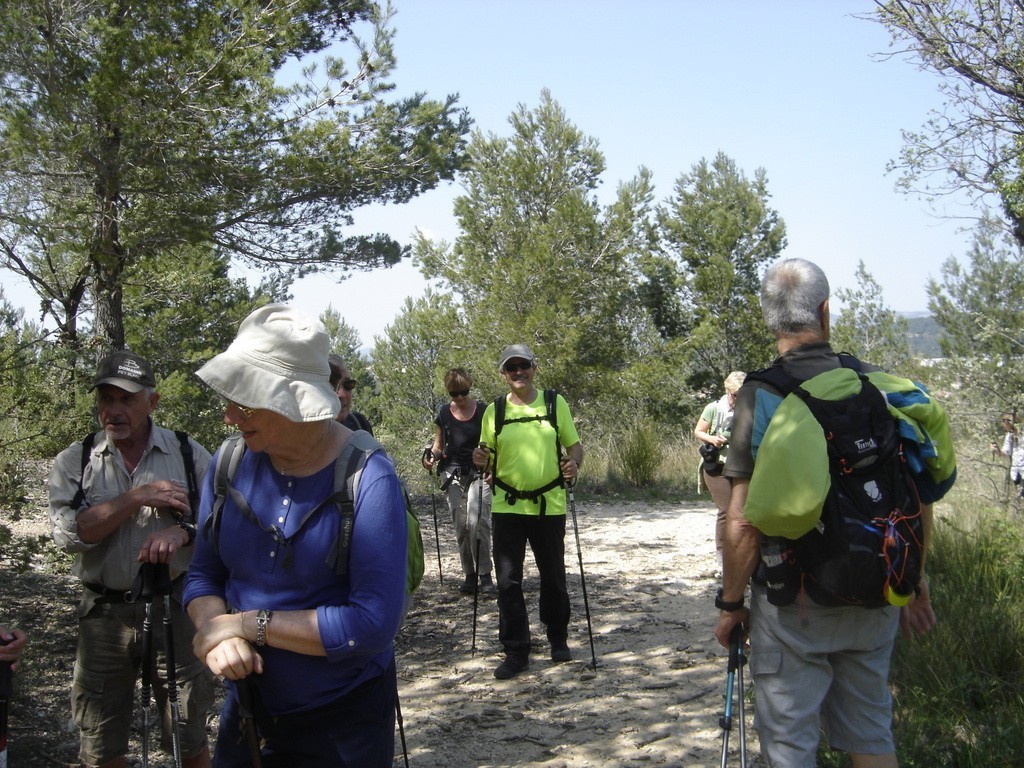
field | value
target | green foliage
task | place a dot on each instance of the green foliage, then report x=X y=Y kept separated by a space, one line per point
x=980 y=307
x=867 y=328
x=424 y=341
x=721 y=233
x=538 y=259
x=179 y=313
x=639 y=454
x=975 y=49
x=131 y=131
x=959 y=690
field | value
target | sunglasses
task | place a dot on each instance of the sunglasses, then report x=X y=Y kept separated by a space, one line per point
x=516 y=367
x=247 y=412
x=348 y=385
x=458 y=393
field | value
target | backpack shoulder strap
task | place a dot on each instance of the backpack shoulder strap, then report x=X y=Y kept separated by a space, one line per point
x=87 y=443
x=499 y=415
x=348 y=470
x=775 y=376
x=189 y=459
x=551 y=403
x=229 y=456
x=846 y=360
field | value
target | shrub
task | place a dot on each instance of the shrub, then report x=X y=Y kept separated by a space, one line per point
x=639 y=454
x=959 y=690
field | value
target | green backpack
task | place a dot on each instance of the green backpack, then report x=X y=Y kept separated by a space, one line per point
x=347 y=471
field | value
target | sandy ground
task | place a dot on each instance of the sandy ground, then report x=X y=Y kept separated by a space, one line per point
x=654 y=698
x=657 y=692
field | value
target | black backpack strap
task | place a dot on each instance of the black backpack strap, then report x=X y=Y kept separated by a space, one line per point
x=189 y=459
x=357 y=451
x=229 y=456
x=846 y=360
x=87 y=443
x=499 y=416
x=536 y=495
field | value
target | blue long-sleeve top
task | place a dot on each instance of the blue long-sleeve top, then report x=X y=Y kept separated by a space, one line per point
x=358 y=613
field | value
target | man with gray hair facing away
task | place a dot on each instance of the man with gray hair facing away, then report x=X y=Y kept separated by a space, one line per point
x=816 y=667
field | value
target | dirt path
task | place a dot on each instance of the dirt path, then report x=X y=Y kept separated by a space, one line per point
x=654 y=699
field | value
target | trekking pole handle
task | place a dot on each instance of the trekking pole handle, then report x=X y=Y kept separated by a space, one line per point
x=486 y=449
x=568 y=483
x=735 y=643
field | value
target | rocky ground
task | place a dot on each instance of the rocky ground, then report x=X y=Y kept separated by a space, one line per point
x=654 y=698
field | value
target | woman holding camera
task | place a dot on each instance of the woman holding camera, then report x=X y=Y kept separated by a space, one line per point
x=713 y=428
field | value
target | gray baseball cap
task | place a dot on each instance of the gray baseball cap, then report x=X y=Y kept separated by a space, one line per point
x=516 y=350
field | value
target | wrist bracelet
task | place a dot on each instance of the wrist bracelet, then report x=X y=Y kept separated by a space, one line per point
x=724 y=605
x=263 y=617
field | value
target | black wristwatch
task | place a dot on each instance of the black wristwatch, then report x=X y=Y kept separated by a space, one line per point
x=190 y=529
x=723 y=605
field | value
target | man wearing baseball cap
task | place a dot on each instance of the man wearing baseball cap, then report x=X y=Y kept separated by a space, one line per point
x=118 y=499
x=528 y=505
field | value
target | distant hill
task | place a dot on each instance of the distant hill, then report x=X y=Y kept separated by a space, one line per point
x=923 y=334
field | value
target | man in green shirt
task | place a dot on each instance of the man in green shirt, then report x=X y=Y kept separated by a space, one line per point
x=522 y=438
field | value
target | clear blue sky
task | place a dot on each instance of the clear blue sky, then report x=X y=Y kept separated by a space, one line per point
x=791 y=86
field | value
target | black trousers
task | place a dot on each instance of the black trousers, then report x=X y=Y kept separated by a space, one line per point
x=546 y=536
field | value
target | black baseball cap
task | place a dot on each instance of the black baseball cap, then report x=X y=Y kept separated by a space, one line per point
x=124 y=370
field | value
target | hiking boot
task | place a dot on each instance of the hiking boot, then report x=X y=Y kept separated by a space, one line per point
x=560 y=651
x=513 y=664
x=469 y=585
x=487 y=585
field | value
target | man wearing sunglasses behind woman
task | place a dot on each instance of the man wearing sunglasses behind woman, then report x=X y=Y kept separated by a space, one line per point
x=344 y=384
x=528 y=475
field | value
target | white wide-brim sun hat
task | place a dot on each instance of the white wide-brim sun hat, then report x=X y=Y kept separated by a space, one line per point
x=278 y=362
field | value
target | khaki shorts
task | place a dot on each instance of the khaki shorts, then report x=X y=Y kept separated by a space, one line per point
x=107 y=666
x=820 y=669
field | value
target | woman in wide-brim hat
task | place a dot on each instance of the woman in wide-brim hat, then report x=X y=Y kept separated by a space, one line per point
x=314 y=645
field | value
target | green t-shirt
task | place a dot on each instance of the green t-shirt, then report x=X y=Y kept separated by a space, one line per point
x=527 y=458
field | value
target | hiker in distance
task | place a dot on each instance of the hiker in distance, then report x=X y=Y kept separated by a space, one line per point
x=1013 y=449
x=522 y=437
x=118 y=500
x=344 y=385
x=815 y=667
x=456 y=434
x=712 y=430
x=299 y=624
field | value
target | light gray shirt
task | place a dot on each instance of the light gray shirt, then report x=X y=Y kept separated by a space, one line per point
x=113 y=562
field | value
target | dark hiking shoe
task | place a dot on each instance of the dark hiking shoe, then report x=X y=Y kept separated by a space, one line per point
x=560 y=651
x=487 y=585
x=469 y=585
x=511 y=666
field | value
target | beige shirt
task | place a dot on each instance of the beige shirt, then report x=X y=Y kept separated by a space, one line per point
x=113 y=562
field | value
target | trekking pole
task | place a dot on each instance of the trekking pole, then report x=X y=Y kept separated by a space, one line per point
x=147 y=678
x=476 y=558
x=172 y=677
x=583 y=580
x=401 y=724
x=735 y=666
x=247 y=715
x=433 y=506
x=5 y=698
